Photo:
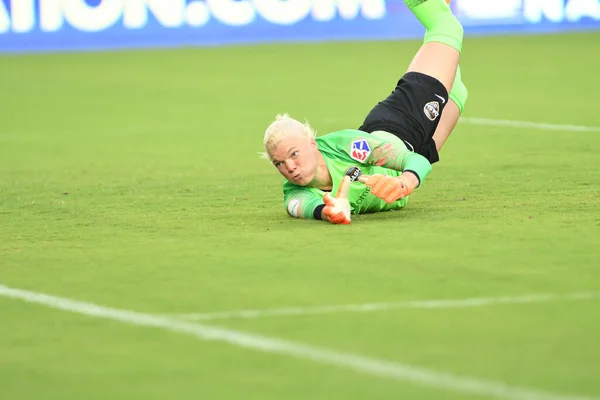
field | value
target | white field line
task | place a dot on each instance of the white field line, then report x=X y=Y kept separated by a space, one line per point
x=529 y=124
x=358 y=363
x=369 y=307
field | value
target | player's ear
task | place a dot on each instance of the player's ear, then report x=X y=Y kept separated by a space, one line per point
x=313 y=143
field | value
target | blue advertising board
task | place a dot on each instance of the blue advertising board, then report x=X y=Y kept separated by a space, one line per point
x=59 y=25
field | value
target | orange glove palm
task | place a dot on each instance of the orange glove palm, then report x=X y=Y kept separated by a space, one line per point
x=388 y=188
x=337 y=209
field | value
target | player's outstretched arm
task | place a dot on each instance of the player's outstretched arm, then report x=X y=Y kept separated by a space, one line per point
x=310 y=203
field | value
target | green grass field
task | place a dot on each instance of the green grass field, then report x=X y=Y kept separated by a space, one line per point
x=131 y=180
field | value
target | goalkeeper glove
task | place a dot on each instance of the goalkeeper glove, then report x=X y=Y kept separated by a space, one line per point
x=388 y=188
x=337 y=209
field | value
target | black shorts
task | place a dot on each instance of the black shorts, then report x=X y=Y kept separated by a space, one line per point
x=412 y=112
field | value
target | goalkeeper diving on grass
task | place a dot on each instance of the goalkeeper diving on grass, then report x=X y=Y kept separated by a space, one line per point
x=376 y=167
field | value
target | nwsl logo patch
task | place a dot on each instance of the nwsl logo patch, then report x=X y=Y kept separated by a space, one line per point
x=360 y=150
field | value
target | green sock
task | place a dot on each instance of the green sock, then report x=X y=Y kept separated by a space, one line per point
x=459 y=92
x=436 y=16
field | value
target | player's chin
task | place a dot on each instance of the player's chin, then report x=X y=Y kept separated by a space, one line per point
x=300 y=180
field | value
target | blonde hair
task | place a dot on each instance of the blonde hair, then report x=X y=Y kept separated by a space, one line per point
x=284 y=126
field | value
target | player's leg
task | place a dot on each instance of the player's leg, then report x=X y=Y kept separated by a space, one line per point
x=448 y=121
x=416 y=107
x=452 y=111
x=422 y=63
x=439 y=55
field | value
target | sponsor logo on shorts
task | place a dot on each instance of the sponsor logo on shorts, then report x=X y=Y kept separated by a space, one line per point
x=354 y=173
x=432 y=110
x=443 y=100
x=360 y=150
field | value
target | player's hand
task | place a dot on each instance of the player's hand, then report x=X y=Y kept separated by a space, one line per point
x=337 y=209
x=388 y=188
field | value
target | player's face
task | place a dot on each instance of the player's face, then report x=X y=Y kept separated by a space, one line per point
x=295 y=157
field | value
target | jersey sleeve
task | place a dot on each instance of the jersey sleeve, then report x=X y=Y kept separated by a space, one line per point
x=384 y=149
x=391 y=152
x=301 y=202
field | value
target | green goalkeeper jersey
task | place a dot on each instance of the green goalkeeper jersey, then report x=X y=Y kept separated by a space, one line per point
x=376 y=153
